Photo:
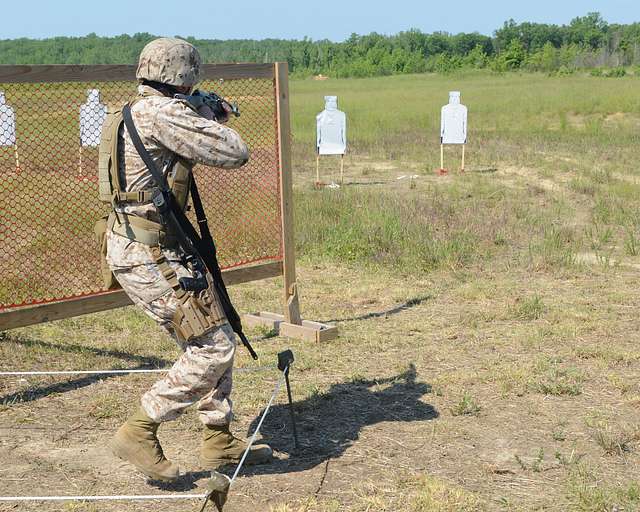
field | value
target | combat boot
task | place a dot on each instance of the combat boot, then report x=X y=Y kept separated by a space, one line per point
x=136 y=442
x=221 y=447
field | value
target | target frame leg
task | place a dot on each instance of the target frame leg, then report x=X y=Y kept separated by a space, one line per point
x=442 y=171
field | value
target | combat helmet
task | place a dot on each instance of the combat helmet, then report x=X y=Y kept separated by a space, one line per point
x=169 y=61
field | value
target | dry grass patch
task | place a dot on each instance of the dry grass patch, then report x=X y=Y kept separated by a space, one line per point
x=434 y=495
x=466 y=406
x=587 y=493
x=546 y=375
x=615 y=440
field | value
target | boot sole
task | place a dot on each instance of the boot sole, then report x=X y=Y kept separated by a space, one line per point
x=119 y=450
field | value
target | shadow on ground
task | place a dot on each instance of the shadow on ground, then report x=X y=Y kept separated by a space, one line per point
x=411 y=303
x=329 y=423
x=42 y=391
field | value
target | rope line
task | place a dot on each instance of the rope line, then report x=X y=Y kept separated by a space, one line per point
x=148 y=497
x=81 y=372
x=117 y=497
x=255 y=432
x=116 y=372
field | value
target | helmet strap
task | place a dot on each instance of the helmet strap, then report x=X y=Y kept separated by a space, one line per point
x=166 y=89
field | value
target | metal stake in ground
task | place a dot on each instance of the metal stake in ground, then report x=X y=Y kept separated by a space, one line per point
x=220 y=484
x=285 y=359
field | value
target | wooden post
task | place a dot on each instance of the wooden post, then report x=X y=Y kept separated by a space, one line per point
x=80 y=160
x=291 y=306
x=341 y=169
x=318 y=169
x=463 y=148
x=17 y=158
x=442 y=171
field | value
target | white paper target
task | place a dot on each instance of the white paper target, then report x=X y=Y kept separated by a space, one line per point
x=7 y=123
x=92 y=115
x=453 y=126
x=331 y=129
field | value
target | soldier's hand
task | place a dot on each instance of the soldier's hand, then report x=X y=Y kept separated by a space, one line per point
x=228 y=110
x=207 y=113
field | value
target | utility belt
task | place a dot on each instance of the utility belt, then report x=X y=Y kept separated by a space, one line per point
x=141 y=230
x=198 y=313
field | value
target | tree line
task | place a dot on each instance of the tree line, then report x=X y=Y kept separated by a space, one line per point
x=588 y=42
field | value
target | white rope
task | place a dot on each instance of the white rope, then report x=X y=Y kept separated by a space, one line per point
x=114 y=372
x=134 y=497
x=255 y=432
x=144 y=497
x=81 y=372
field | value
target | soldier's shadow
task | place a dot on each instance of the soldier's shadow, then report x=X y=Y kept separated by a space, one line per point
x=329 y=423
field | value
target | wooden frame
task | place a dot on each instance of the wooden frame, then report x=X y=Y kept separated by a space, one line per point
x=116 y=73
x=443 y=170
x=291 y=323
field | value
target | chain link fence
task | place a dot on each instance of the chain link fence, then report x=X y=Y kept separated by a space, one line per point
x=49 y=137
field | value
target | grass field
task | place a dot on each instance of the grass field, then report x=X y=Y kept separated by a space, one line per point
x=488 y=357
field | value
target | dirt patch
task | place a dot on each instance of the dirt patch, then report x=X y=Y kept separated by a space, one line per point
x=382 y=420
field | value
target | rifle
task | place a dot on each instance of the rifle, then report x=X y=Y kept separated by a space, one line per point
x=220 y=107
x=199 y=249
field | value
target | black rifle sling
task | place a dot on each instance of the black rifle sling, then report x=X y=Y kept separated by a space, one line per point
x=203 y=246
x=142 y=151
x=183 y=224
x=209 y=247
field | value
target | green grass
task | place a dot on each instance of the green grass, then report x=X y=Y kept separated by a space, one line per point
x=467 y=406
x=399 y=117
x=565 y=143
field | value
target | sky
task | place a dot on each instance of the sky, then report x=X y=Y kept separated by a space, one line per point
x=289 y=19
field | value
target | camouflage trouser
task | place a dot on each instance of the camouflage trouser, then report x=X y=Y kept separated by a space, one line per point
x=203 y=373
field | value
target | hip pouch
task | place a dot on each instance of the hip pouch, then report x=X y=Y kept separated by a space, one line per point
x=196 y=315
x=100 y=231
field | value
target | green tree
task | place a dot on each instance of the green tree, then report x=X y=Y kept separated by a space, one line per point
x=511 y=58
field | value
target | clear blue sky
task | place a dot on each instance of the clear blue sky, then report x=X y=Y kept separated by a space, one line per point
x=257 y=19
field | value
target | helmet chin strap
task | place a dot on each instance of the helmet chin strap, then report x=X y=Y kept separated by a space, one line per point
x=166 y=89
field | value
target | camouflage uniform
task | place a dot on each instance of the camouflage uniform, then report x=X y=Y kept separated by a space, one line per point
x=203 y=373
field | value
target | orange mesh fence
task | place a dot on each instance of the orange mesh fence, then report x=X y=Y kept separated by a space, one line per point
x=49 y=187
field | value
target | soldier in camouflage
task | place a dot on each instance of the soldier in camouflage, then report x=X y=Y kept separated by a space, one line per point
x=203 y=373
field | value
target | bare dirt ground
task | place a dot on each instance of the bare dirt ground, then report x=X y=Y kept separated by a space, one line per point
x=488 y=388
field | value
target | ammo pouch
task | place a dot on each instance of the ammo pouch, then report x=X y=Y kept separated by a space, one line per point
x=100 y=231
x=197 y=313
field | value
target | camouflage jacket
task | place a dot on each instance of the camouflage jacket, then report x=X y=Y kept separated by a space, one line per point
x=166 y=126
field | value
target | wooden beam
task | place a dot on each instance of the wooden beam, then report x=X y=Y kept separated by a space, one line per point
x=113 y=73
x=291 y=303
x=237 y=71
x=29 y=315
x=306 y=330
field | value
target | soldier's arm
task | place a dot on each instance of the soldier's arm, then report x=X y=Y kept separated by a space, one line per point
x=185 y=132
